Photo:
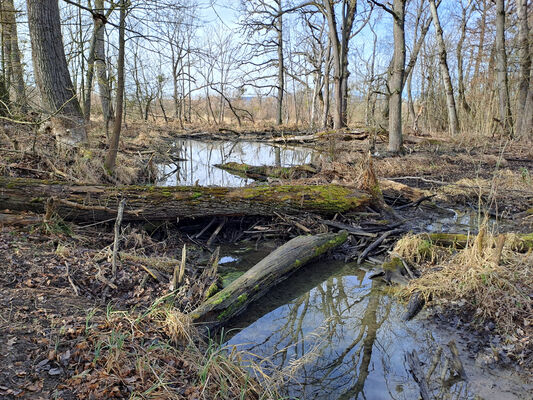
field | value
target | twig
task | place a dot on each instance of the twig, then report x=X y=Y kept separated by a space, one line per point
x=76 y=290
x=182 y=265
x=205 y=228
x=416 y=371
x=216 y=232
x=376 y=243
x=434 y=363
x=117 y=237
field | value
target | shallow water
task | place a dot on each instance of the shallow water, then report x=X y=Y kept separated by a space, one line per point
x=339 y=336
x=201 y=156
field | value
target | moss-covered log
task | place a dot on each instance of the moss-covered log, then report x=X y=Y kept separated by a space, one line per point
x=274 y=268
x=99 y=202
x=261 y=173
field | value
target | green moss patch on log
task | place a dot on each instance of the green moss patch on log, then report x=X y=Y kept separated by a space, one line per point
x=274 y=268
x=263 y=172
x=84 y=202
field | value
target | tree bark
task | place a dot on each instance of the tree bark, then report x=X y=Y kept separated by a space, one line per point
x=397 y=78
x=111 y=155
x=459 y=54
x=51 y=72
x=281 y=66
x=99 y=202
x=501 y=68
x=270 y=271
x=522 y=119
x=17 y=75
x=445 y=71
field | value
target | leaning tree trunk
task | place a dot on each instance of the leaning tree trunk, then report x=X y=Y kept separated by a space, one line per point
x=501 y=68
x=445 y=71
x=270 y=271
x=396 y=81
x=99 y=202
x=51 y=72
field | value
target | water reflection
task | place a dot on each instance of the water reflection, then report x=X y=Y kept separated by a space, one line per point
x=348 y=332
x=201 y=157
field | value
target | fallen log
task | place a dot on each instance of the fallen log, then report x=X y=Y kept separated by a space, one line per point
x=85 y=202
x=520 y=243
x=263 y=172
x=270 y=271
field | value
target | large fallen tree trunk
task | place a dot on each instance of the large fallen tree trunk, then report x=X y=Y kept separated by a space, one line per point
x=99 y=202
x=273 y=269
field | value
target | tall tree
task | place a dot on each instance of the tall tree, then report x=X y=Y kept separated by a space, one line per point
x=523 y=123
x=263 y=23
x=51 y=72
x=501 y=70
x=445 y=71
x=97 y=63
x=13 y=55
x=112 y=151
x=339 y=48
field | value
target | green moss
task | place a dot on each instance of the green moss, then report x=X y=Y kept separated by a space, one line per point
x=341 y=237
x=229 y=311
x=37 y=200
x=393 y=265
x=229 y=277
x=211 y=290
x=530 y=211
x=220 y=297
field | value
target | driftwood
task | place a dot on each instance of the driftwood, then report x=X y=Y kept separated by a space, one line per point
x=99 y=202
x=273 y=269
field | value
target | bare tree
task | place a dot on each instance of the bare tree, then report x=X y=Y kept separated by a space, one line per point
x=12 y=54
x=450 y=100
x=111 y=155
x=501 y=70
x=523 y=120
x=51 y=71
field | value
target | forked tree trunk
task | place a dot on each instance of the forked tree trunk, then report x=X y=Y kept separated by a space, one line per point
x=51 y=71
x=445 y=71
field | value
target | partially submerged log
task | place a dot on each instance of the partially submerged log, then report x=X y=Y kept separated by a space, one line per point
x=263 y=172
x=99 y=202
x=270 y=271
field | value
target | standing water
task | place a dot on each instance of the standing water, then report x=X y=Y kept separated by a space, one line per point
x=197 y=159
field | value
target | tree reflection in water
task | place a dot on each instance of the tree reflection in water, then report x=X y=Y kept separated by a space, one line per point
x=352 y=341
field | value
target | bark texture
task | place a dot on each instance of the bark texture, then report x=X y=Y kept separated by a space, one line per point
x=445 y=71
x=523 y=120
x=501 y=70
x=99 y=202
x=51 y=72
x=270 y=271
x=397 y=78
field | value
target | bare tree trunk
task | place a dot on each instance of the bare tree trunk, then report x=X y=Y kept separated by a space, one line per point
x=281 y=67
x=501 y=68
x=51 y=71
x=17 y=76
x=111 y=155
x=525 y=67
x=459 y=53
x=397 y=78
x=450 y=100
x=481 y=44
x=327 y=69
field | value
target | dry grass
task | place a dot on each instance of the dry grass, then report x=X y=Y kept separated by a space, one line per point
x=157 y=354
x=493 y=282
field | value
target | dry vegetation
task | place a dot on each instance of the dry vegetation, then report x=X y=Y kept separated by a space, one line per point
x=489 y=280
